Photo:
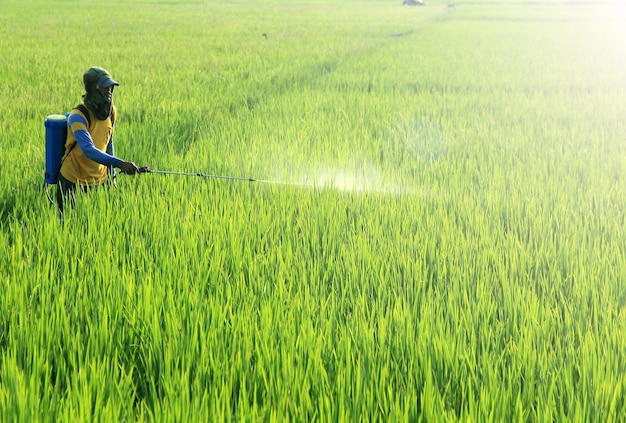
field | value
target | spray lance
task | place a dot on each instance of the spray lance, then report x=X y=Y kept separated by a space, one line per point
x=146 y=169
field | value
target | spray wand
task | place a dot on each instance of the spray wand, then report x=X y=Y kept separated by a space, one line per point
x=146 y=169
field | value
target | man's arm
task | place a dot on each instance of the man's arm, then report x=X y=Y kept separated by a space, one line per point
x=78 y=125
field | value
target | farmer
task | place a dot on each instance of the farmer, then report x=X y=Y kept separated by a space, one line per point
x=91 y=126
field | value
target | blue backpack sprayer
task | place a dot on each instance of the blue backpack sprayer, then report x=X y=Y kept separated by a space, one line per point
x=56 y=136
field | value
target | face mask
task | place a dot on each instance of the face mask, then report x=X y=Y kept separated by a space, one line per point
x=98 y=104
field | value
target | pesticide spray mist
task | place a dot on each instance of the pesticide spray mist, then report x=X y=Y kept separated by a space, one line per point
x=364 y=180
x=408 y=147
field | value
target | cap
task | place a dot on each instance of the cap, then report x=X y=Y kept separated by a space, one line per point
x=98 y=77
x=108 y=82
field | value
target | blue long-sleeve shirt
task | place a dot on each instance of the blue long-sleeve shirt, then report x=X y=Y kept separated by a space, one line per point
x=89 y=164
x=84 y=141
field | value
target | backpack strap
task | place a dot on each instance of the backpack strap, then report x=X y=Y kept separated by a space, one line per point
x=84 y=111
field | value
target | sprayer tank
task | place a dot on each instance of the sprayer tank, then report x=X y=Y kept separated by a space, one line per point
x=56 y=133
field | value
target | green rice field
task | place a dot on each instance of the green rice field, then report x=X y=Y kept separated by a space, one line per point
x=436 y=230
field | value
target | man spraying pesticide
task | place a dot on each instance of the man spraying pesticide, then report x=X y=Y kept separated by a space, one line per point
x=89 y=126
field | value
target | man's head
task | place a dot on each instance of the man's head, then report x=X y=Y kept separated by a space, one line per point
x=96 y=78
x=99 y=87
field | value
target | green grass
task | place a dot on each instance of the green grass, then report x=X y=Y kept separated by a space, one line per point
x=456 y=250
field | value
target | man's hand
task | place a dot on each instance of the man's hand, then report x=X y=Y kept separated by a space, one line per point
x=129 y=168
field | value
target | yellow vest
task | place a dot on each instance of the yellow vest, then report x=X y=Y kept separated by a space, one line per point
x=77 y=168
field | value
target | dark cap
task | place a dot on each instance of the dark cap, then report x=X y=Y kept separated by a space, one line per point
x=97 y=77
